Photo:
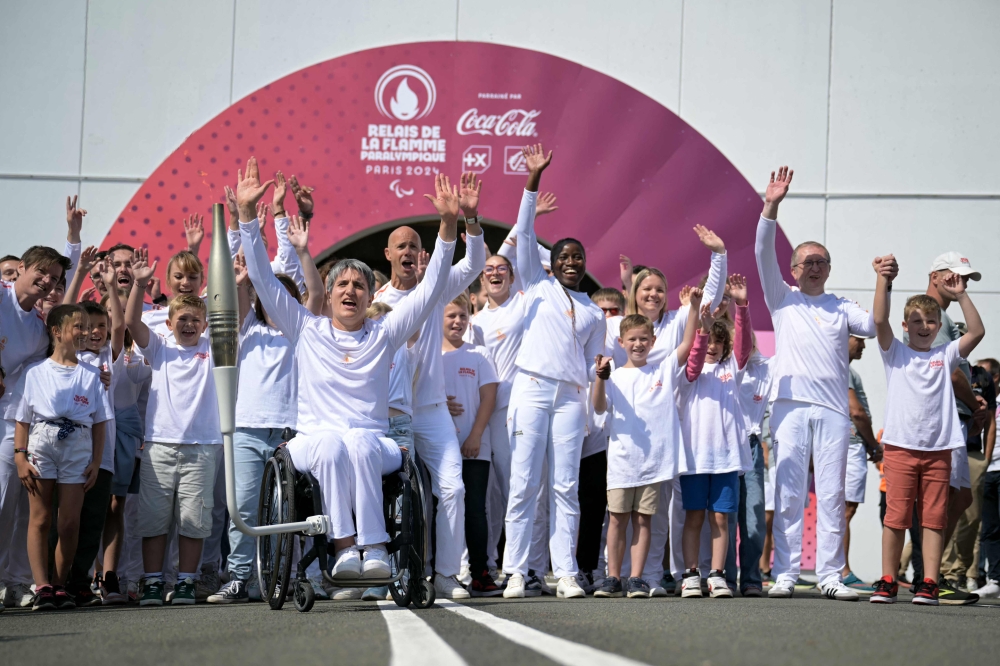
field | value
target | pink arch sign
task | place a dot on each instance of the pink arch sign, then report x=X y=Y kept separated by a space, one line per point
x=369 y=130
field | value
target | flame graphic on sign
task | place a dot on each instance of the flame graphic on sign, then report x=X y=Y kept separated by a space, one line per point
x=405 y=104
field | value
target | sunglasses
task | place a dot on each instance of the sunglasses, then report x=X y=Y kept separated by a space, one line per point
x=500 y=270
x=613 y=311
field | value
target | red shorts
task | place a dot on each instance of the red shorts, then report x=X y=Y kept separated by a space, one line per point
x=916 y=476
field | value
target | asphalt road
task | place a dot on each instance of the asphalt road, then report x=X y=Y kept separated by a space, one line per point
x=806 y=629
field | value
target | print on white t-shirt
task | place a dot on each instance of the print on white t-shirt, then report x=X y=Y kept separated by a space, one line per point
x=466 y=370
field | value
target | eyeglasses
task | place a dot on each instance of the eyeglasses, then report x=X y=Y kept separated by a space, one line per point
x=811 y=264
x=502 y=269
x=613 y=311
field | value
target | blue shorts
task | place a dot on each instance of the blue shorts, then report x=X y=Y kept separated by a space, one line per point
x=716 y=492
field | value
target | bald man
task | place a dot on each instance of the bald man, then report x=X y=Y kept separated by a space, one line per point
x=433 y=429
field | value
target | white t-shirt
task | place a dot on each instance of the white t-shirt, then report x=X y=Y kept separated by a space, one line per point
x=267 y=385
x=643 y=423
x=810 y=332
x=23 y=341
x=182 y=407
x=401 y=379
x=51 y=392
x=97 y=361
x=715 y=439
x=344 y=377
x=920 y=411
x=755 y=391
x=466 y=370
x=428 y=387
x=131 y=377
x=563 y=330
x=500 y=331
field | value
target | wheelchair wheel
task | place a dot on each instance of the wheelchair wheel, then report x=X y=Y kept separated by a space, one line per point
x=423 y=593
x=394 y=516
x=420 y=572
x=275 y=507
x=305 y=596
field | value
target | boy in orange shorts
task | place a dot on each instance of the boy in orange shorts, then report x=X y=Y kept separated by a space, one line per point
x=921 y=426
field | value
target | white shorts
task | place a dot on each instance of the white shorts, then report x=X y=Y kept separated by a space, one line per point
x=177 y=484
x=64 y=460
x=857 y=473
x=960 y=468
x=768 y=490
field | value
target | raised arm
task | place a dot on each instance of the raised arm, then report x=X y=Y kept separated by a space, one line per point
x=141 y=271
x=298 y=236
x=718 y=267
x=528 y=261
x=85 y=261
x=880 y=307
x=242 y=286
x=602 y=365
x=954 y=286
x=286 y=260
x=74 y=224
x=115 y=310
x=742 y=338
x=464 y=272
x=194 y=232
x=684 y=348
x=696 y=359
x=771 y=281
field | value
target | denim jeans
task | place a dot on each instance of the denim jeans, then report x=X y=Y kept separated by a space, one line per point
x=401 y=431
x=251 y=449
x=749 y=519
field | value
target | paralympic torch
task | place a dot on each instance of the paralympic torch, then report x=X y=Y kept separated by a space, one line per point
x=224 y=330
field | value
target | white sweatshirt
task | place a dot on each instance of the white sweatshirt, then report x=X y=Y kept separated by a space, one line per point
x=500 y=331
x=343 y=377
x=563 y=330
x=811 y=332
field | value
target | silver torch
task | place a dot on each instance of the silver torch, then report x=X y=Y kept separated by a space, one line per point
x=224 y=331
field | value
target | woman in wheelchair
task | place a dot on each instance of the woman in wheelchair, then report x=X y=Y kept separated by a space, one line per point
x=343 y=378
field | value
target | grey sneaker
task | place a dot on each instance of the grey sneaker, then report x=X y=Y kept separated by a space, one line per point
x=18 y=595
x=610 y=587
x=637 y=588
x=207 y=585
x=233 y=592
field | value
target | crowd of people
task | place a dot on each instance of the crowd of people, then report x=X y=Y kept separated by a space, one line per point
x=624 y=447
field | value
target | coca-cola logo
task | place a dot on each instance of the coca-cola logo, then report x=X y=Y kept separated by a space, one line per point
x=516 y=122
x=405 y=102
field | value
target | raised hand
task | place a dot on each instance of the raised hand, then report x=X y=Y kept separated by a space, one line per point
x=546 y=203
x=278 y=198
x=695 y=295
x=445 y=198
x=234 y=213
x=776 y=190
x=74 y=220
x=535 y=158
x=886 y=266
x=602 y=365
x=87 y=260
x=625 y=271
x=107 y=272
x=953 y=285
x=707 y=320
x=194 y=231
x=738 y=288
x=685 y=294
x=89 y=294
x=249 y=190
x=424 y=258
x=303 y=197
x=298 y=233
x=709 y=239
x=468 y=194
x=141 y=270
x=240 y=268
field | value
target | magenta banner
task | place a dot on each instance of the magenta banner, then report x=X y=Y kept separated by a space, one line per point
x=370 y=130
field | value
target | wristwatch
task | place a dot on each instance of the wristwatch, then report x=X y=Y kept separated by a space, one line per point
x=473 y=220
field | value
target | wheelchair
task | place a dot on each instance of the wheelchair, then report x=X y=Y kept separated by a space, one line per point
x=289 y=496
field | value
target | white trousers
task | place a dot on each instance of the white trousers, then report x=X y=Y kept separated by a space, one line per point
x=14 y=566
x=496 y=498
x=349 y=468
x=547 y=423
x=800 y=430
x=438 y=447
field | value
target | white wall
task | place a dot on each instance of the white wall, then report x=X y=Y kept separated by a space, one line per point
x=887 y=110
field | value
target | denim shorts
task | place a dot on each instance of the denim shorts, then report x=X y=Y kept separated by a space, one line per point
x=401 y=431
x=716 y=492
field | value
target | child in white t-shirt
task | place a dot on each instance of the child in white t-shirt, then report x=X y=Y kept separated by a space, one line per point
x=179 y=460
x=921 y=425
x=401 y=382
x=644 y=428
x=715 y=447
x=59 y=439
x=470 y=382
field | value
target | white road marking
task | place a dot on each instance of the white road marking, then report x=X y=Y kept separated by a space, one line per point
x=413 y=642
x=557 y=649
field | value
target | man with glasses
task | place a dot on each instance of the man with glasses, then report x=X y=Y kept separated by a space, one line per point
x=810 y=417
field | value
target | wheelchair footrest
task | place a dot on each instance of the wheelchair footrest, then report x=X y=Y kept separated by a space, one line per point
x=317 y=525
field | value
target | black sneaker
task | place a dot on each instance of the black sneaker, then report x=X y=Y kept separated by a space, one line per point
x=483 y=585
x=637 y=588
x=63 y=599
x=949 y=595
x=532 y=584
x=610 y=587
x=85 y=597
x=233 y=592
x=44 y=599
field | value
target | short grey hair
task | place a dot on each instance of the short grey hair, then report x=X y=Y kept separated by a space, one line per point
x=344 y=265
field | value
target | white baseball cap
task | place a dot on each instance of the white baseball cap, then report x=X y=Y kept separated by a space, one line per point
x=956 y=263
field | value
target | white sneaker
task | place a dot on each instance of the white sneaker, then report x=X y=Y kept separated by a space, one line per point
x=838 y=591
x=465 y=576
x=782 y=589
x=569 y=589
x=448 y=587
x=989 y=591
x=717 y=586
x=972 y=585
x=348 y=564
x=515 y=587
x=317 y=586
x=376 y=563
x=345 y=593
x=18 y=595
x=655 y=589
x=691 y=585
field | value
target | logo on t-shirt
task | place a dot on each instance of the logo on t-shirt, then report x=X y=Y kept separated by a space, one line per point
x=726 y=377
x=758 y=398
x=467 y=372
x=201 y=355
x=81 y=400
x=936 y=363
x=658 y=384
x=3 y=343
x=500 y=335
